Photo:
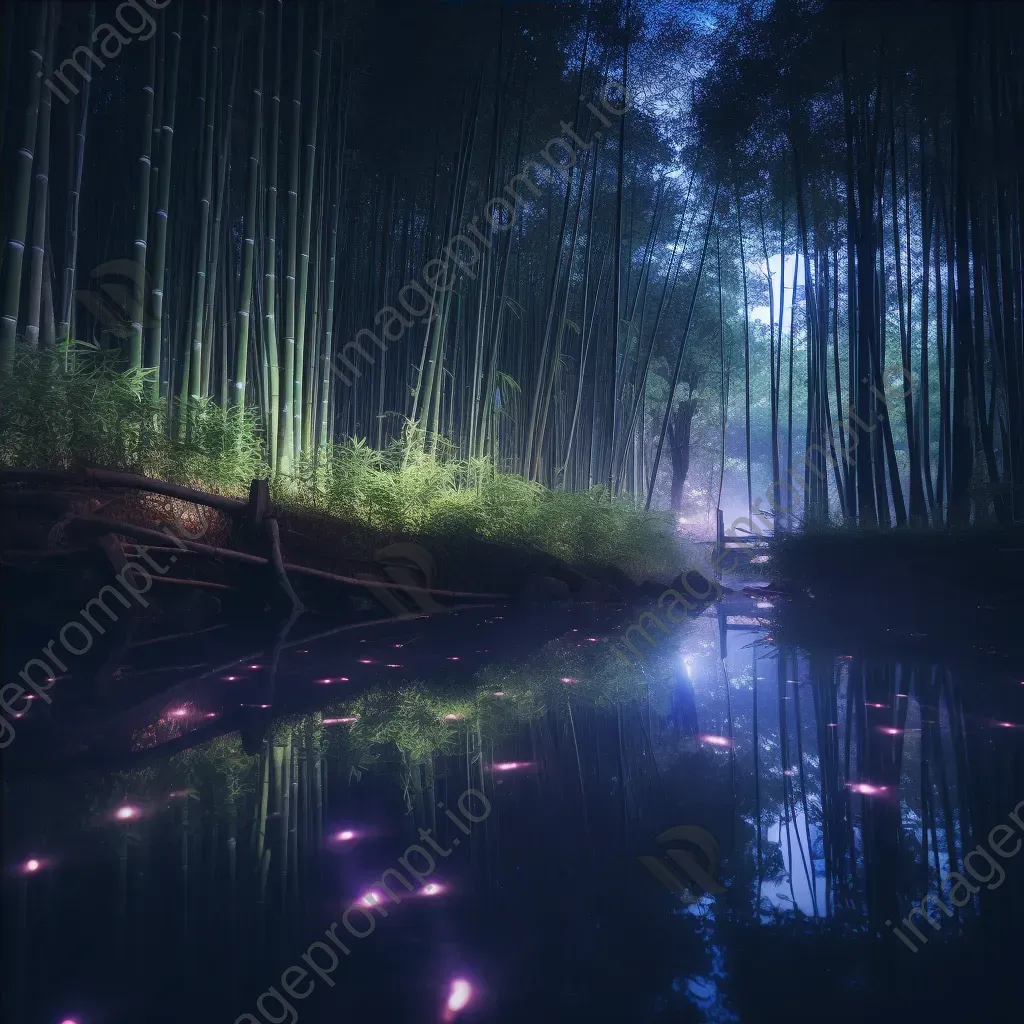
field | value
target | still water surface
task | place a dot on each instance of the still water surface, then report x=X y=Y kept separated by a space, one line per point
x=173 y=856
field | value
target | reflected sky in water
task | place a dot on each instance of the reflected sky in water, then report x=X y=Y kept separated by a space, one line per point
x=182 y=850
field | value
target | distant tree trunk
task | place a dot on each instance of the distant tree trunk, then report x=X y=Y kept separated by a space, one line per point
x=679 y=448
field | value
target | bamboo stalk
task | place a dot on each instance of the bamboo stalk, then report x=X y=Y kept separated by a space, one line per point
x=15 y=251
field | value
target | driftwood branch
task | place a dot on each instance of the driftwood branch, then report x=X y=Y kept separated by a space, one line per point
x=143 y=533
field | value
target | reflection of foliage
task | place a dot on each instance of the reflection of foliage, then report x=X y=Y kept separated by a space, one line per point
x=407 y=726
x=424 y=719
x=218 y=772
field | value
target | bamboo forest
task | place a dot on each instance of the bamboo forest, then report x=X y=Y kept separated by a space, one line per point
x=511 y=510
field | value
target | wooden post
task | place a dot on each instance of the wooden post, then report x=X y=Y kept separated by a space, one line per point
x=258 y=506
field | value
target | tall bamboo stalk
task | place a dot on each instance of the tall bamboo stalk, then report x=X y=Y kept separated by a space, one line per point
x=15 y=252
x=154 y=340
x=41 y=203
x=245 y=296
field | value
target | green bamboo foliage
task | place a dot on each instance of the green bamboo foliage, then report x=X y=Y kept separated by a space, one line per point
x=549 y=328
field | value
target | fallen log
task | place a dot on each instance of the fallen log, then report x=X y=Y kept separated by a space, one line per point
x=111 y=478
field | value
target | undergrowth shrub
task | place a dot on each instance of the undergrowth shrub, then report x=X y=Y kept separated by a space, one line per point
x=96 y=415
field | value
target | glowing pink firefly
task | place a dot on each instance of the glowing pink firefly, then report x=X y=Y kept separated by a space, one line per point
x=230 y=679
x=569 y=679
x=452 y=657
x=868 y=704
x=866 y=788
x=498 y=693
x=510 y=766
x=32 y=865
x=715 y=741
x=432 y=889
x=394 y=666
x=126 y=813
x=372 y=898
x=346 y=835
x=366 y=661
x=344 y=720
x=180 y=713
x=458 y=996
x=890 y=730
x=211 y=714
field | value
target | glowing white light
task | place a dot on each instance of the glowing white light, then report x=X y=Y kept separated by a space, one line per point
x=459 y=995
x=32 y=865
x=394 y=666
x=126 y=813
x=371 y=899
x=180 y=713
x=765 y=604
x=346 y=835
x=569 y=679
x=344 y=720
x=432 y=889
x=498 y=693
x=890 y=730
x=366 y=661
x=868 y=704
x=452 y=657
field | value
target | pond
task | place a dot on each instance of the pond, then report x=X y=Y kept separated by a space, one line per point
x=501 y=814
